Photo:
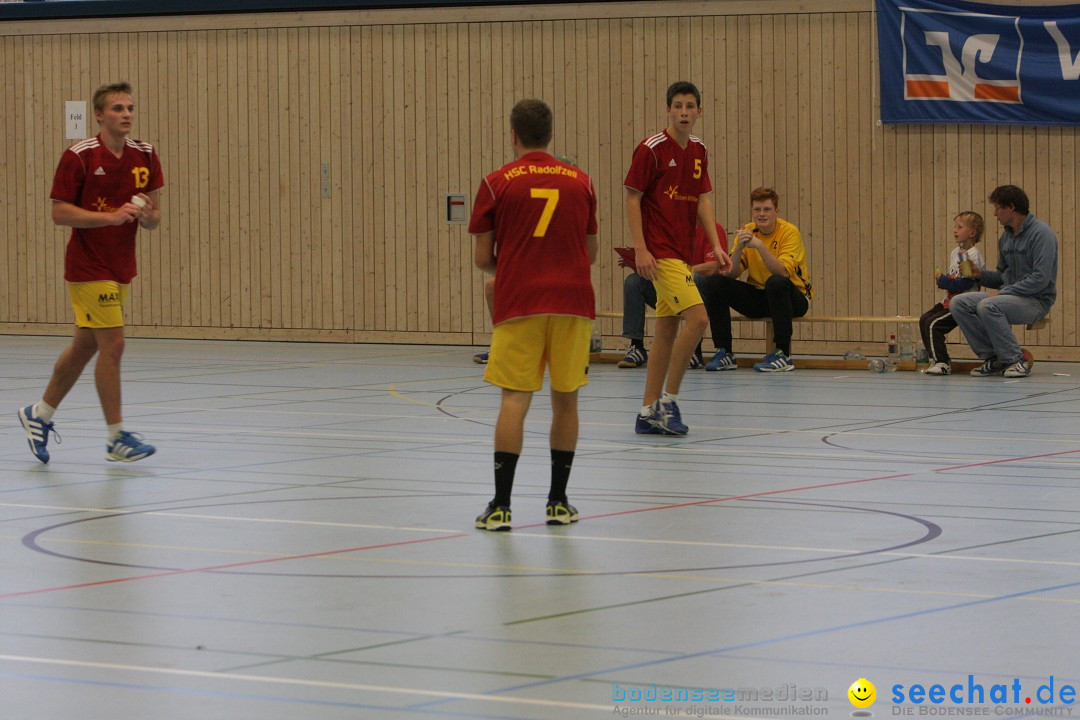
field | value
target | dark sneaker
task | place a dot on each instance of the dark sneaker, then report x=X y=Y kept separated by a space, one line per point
x=990 y=366
x=37 y=433
x=776 y=361
x=659 y=421
x=1018 y=369
x=495 y=517
x=480 y=358
x=696 y=362
x=635 y=357
x=721 y=360
x=561 y=513
x=128 y=447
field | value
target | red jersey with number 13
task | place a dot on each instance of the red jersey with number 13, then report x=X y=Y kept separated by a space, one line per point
x=670 y=180
x=91 y=177
x=540 y=210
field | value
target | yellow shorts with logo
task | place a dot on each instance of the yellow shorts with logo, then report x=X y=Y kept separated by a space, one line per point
x=520 y=348
x=98 y=304
x=675 y=287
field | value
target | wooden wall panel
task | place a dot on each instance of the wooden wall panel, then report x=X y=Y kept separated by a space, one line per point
x=404 y=107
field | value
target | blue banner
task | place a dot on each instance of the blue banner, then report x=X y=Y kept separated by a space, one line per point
x=966 y=62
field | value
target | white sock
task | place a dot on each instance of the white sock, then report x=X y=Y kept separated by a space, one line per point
x=646 y=410
x=115 y=430
x=668 y=397
x=44 y=411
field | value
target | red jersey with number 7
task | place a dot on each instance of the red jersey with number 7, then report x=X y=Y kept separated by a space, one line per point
x=89 y=176
x=670 y=180
x=540 y=210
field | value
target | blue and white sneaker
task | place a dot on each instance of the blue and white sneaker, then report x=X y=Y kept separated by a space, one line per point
x=128 y=447
x=663 y=419
x=635 y=357
x=480 y=358
x=722 y=360
x=990 y=367
x=37 y=433
x=776 y=361
x=675 y=424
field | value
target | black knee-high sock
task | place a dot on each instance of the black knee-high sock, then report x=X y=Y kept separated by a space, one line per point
x=561 y=460
x=505 y=466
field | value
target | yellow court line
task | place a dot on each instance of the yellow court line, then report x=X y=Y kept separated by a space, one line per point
x=298 y=682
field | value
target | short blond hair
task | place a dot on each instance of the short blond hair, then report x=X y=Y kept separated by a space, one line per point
x=102 y=93
x=974 y=221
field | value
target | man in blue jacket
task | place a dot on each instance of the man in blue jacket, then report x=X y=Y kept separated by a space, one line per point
x=1026 y=283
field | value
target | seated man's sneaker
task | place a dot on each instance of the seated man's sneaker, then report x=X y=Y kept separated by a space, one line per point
x=635 y=357
x=561 y=513
x=776 y=361
x=990 y=366
x=128 y=447
x=480 y=358
x=721 y=360
x=495 y=517
x=1018 y=369
x=939 y=368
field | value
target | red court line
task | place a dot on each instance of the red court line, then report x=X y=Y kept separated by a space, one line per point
x=247 y=563
x=1007 y=460
x=749 y=495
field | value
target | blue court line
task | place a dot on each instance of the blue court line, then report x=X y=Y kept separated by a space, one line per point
x=250 y=696
x=769 y=641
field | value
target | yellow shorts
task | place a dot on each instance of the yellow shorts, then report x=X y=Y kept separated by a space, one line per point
x=98 y=304
x=675 y=287
x=520 y=348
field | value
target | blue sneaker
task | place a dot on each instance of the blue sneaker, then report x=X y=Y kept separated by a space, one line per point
x=722 y=360
x=990 y=367
x=480 y=358
x=776 y=361
x=128 y=447
x=675 y=425
x=663 y=419
x=635 y=357
x=37 y=433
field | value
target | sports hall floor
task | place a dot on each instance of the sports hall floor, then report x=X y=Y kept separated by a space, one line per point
x=301 y=546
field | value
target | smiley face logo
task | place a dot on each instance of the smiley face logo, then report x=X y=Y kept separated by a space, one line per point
x=862 y=693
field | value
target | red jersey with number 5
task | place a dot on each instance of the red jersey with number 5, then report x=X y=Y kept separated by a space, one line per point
x=670 y=180
x=91 y=177
x=540 y=210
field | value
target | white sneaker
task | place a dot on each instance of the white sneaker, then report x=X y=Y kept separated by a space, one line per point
x=939 y=368
x=1018 y=369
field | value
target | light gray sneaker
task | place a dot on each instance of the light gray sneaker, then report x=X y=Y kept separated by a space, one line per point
x=939 y=368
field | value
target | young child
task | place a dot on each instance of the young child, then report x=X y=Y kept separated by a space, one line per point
x=936 y=322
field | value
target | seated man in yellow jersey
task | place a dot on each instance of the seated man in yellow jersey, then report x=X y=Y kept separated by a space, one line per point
x=770 y=251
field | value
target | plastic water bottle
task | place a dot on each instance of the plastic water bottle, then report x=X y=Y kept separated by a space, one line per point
x=893 y=348
x=907 y=342
x=595 y=343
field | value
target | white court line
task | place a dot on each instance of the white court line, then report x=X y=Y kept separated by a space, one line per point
x=296 y=682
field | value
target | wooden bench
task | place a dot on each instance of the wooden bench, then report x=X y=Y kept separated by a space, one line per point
x=826 y=363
